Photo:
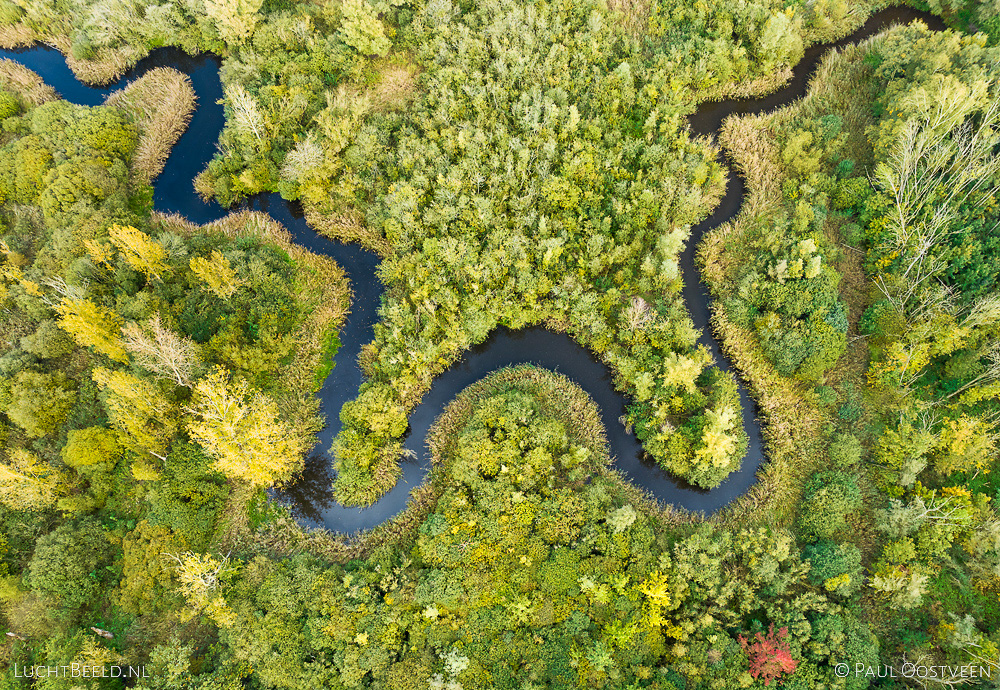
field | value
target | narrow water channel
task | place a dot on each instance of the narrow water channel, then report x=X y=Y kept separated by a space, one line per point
x=309 y=497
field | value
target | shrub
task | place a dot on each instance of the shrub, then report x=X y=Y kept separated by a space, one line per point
x=837 y=567
x=828 y=498
x=61 y=566
x=845 y=451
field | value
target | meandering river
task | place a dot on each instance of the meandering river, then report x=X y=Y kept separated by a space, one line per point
x=309 y=497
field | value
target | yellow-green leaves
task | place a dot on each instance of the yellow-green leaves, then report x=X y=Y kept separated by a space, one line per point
x=217 y=273
x=362 y=30
x=240 y=428
x=92 y=326
x=139 y=250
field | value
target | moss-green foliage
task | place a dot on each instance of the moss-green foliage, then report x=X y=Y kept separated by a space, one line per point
x=920 y=202
x=39 y=402
x=188 y=495
x=835 y=566
x=70 y=445
x=828 y=499
x=66 y=563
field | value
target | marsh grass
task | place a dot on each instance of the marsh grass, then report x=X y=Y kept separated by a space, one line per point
x=162 y=102
x=346 y=226
x=106 y=65
x=20 y=80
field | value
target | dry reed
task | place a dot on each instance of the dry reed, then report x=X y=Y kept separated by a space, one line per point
x=16 y=36
x=162 y=102
x=347 y=226
x=105 y=67
x=20 y=80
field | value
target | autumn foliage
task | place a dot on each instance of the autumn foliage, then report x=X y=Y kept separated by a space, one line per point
x=770 y=657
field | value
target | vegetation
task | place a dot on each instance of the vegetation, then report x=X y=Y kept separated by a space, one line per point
x=512 y=164
x=904 y=195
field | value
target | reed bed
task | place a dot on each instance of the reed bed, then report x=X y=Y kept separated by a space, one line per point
x=347 y=226
x=16 y=35
x=107 y=65
x=162 y=102
x=20 y=80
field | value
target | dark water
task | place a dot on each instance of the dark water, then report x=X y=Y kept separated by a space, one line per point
x=310 y=498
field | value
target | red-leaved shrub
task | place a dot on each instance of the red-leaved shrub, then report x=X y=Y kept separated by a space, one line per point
x=769 y=654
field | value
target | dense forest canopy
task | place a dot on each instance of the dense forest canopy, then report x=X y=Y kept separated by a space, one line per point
x=512 y=163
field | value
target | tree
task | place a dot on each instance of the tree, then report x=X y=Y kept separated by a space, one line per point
x=91 y=447
x=92 y=326
x=235 y=20
x=162 y=351
x=362 y=30
x=240 y=428
x=26 y=483
x=770 y=656
x=63 y=560
x=217 y=273
x=828 y=498
x=138 y=408
x=40 y=402
x=147 y=578
x=139 y=250
x=198 y=576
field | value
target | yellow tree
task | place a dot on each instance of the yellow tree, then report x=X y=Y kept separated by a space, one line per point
x=198 y=576
x=27 y=483
x=235 y=20
x=139 y=409
x=217 y=273
x=92 y=326
x=241 y=430
x=139 y=250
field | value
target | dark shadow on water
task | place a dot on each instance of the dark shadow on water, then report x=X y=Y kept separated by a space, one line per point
x=310 y=497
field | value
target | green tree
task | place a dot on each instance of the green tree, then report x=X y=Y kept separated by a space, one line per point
x=828 y=498
x=235 y=20
x=217 y=273
x=40 y=402
x=362 y=30
x=61 y=565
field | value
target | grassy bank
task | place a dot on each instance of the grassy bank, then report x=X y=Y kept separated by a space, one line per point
x=558 y=397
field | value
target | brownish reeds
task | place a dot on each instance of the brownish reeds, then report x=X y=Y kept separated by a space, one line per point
x=347 y=226
x=162 y=102
x=20 y=80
